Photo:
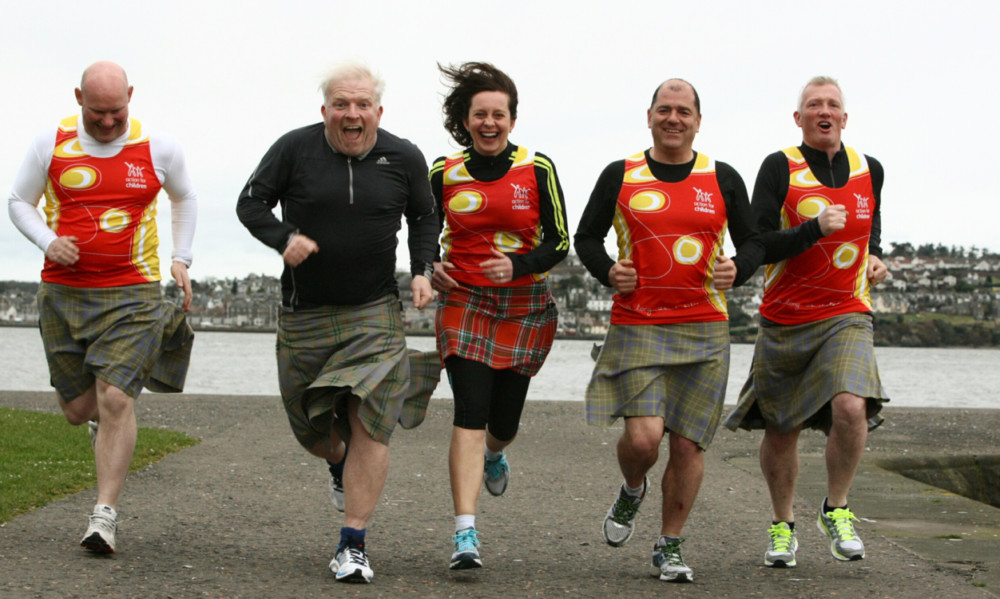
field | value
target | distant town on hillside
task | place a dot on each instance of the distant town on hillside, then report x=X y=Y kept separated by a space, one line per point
x=935 y=296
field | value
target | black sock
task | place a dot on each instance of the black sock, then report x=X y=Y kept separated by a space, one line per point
x=791 y=525
x=352 y=536
x=337 y=470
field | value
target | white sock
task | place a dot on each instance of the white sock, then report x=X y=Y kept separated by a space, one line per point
x=465 y=521
x=492 y=455
x=634 y=492
x=100 y=507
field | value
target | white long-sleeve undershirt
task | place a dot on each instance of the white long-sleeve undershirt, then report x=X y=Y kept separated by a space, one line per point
x=168 y=163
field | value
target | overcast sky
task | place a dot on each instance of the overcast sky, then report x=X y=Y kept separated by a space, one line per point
x=226 y=79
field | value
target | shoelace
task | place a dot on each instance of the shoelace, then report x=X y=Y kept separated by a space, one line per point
x=672 y=553
x=495 y=468
x=466 y=539
x=625 y=509
x=781 y=538
x=842 y=522
x=356 y=556
x=103 y=521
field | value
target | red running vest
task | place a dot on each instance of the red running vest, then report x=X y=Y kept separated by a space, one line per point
x=830 y=278
x=481 y=216
x=109 y=205
x=673 y=233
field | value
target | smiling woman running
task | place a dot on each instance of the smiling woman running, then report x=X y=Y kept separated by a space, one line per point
x=504 y=227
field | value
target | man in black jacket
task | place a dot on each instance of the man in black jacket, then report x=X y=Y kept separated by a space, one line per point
x=344 y=186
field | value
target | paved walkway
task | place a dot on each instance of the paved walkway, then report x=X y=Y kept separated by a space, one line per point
x=246 y=514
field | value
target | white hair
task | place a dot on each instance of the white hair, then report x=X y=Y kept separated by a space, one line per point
x=352 y=69
x=821 y=80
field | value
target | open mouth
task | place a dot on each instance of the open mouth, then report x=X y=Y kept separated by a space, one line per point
x=352 y=133
x=825 y=125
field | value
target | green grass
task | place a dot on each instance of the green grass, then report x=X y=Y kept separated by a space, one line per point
x=44 y=458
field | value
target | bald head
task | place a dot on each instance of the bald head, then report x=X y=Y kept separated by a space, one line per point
x=104 y=72
x=677 y=85
x=103 y=96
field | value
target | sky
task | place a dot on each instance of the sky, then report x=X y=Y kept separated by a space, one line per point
x=227 y=79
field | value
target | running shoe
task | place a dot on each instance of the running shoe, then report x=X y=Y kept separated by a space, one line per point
x=92 y=430
x=619 y=523
x=845 y=544
x=100 y=535
x=781 y=547
x=337 y=482
x=466 y=553
x=337 y=492
x=350 y=564
x=496 y=474
x=668 y=563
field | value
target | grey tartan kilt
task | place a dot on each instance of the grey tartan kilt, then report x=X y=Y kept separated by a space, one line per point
x=128 y=336
x=330 y=354
x=675 y=371
x=798 y=369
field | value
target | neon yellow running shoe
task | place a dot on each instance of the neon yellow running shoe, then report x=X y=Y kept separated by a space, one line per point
x=845 y=544
x=781 y=548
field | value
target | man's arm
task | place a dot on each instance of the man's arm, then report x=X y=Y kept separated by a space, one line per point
x=261 y=194
x=878 y=177
x=742 y=228
x=423 y=228
x=180 y=191
x=29 y=185
x=183 y=210
x=596 y=221
x=769 y=193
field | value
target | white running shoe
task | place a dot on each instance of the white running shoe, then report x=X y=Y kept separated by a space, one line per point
x=351 y=564
x=100 y=535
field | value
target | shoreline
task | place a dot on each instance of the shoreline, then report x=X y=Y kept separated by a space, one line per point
x=747 y=337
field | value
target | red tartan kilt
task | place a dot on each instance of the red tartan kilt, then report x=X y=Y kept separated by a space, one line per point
x=502 y=327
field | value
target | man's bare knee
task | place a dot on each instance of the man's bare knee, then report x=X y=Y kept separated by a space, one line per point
x=80 y=409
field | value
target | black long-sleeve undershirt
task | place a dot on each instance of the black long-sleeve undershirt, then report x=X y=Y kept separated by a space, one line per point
x=771 y=189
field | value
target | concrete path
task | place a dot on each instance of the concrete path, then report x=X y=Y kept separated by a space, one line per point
x=246 y=513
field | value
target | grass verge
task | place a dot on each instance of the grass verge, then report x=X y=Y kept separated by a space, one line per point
x=44 y=458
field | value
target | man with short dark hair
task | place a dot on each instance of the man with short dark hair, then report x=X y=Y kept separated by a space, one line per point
x=344 y=185
x=818 y=210
x=106 y=329
x=665 y=361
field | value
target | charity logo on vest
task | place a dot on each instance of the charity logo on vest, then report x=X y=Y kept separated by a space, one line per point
x=703 y=201
x=864 y=211
x=135 y=178
x=521 y=199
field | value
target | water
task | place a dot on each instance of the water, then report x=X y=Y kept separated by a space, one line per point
x=243 y=364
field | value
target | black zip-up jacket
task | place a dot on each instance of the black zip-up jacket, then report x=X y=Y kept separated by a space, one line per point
x=771 y=188
x=352 y=207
